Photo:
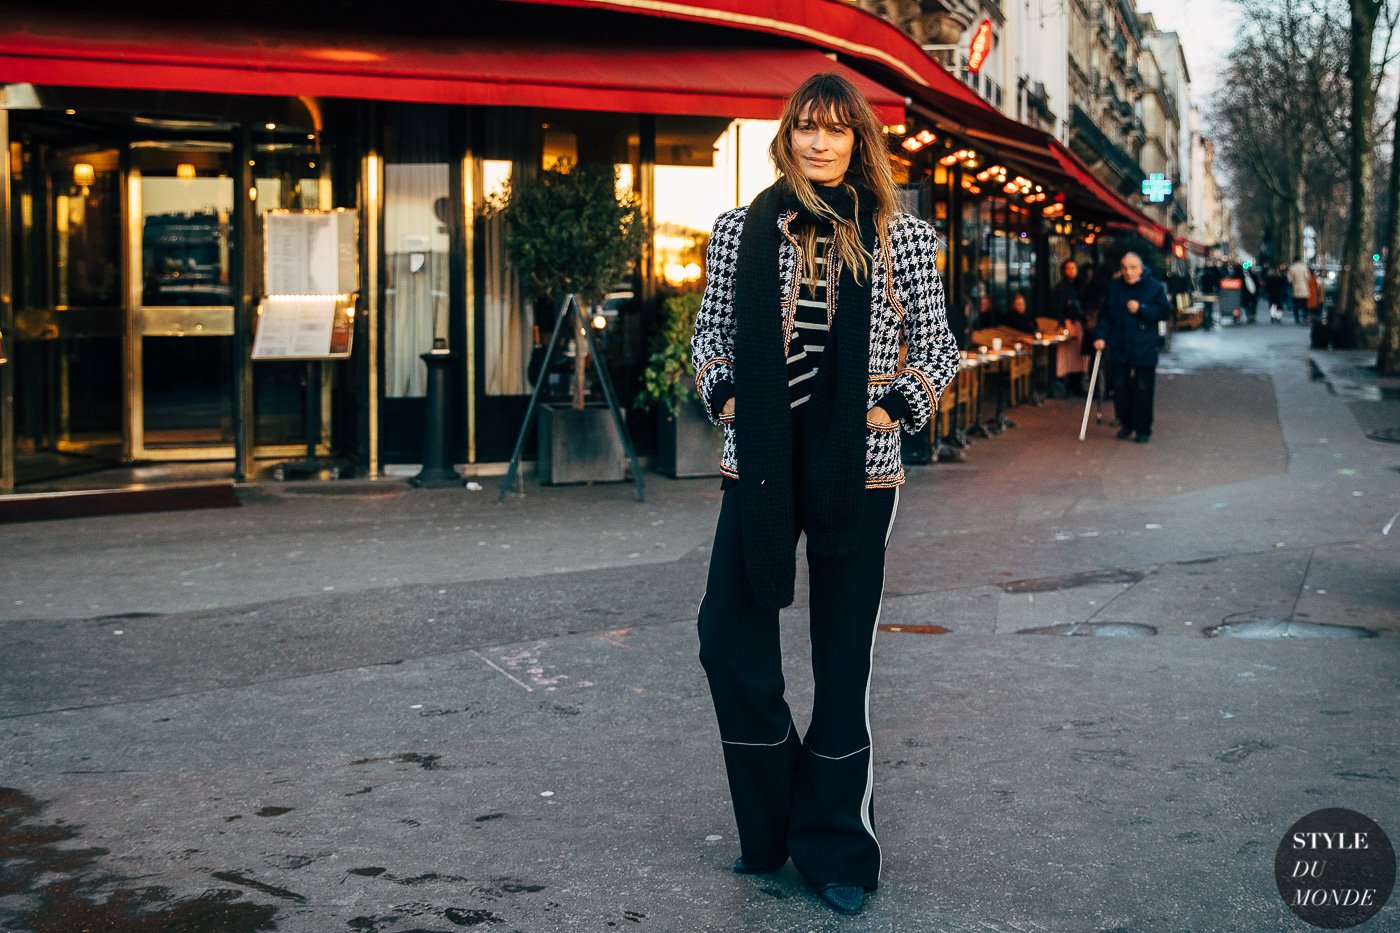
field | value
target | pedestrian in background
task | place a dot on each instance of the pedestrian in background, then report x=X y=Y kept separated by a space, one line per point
x=1069 y=312
x=1249 y=293
x=1018 y=317
x=1298 y=289
x=809 y=387
x=1276 y=288
x=1314 y=295
x=1127 y=327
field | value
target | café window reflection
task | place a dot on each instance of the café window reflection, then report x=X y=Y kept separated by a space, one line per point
x=514 y=145
x=87 y=228
x=508 y=335
x=186 y=202
x=704 y=167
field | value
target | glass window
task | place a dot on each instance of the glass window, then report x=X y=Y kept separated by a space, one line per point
x=416 y=212
x=288 y=175
x=87 y=224
x=704 y=167
x=509 y=334
x=514 y=143
x=972 y=263
x=186 y=203
x=999 y=249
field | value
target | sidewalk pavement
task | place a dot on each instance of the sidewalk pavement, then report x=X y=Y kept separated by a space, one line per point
x=367 y=707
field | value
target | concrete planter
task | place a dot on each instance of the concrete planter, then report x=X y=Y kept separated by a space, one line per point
x=687 y=444
x=579 y=446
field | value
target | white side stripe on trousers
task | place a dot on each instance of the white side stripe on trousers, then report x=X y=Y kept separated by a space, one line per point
x=870 y=765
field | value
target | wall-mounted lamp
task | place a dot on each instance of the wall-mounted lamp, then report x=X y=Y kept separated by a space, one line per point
x=185 y=170
x=84 y=174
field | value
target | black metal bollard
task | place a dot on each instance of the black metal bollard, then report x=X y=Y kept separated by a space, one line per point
x=437 y=469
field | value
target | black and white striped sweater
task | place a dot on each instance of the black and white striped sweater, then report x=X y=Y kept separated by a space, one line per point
x=811 y=323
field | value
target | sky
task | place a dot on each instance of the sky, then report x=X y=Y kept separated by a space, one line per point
x=1207 y=29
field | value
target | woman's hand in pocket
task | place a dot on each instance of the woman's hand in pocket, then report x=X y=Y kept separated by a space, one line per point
x=878 y=416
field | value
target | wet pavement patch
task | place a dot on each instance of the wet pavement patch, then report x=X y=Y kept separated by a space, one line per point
x=233 y=877
x=58 y=889
x=1073 y=580
x=1278 y=628
x=1100 y=629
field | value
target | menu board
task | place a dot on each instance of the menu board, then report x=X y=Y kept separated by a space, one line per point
x=311 y=252
x=304 y=327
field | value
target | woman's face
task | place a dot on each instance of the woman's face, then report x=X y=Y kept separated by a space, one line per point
x=824 y=155
x=1018 y=304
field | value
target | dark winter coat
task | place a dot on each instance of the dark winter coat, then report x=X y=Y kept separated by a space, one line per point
x=1132 y=338
x=1065 y=300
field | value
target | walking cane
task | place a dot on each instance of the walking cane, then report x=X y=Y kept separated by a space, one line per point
x=1088 y=402
x=1098 y=404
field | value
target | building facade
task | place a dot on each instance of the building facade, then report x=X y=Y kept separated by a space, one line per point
x=140 y=163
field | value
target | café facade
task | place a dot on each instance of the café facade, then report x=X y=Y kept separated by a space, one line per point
x=142 y=155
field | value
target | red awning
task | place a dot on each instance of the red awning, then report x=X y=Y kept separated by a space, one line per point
x=702 y=81
x=876 y=47
x=838 y=25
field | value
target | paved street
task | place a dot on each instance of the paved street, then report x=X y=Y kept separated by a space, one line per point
x=371 y=708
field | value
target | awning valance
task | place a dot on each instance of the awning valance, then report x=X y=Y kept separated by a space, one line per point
x=472 y=69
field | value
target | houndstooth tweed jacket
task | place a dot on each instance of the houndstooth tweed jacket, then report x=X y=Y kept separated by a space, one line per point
x=907 y=306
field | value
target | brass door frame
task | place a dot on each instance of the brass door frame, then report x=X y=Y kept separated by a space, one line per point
x=142 y=321
x=371 y=224
x=187 y=322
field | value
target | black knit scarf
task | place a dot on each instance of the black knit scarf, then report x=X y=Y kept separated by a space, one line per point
x=832 y=472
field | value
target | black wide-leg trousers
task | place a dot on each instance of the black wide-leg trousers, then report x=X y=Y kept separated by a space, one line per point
x=808 y=797
x=1133 y=388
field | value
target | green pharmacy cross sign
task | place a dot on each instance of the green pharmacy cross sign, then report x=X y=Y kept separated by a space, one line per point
x=1157 y=187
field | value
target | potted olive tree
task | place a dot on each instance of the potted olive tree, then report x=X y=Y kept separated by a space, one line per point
x=569 y=232
x=687 y=443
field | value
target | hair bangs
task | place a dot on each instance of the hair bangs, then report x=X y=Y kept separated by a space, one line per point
x=828 y=108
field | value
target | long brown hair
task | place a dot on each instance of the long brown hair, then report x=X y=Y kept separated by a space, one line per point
x=835 y=100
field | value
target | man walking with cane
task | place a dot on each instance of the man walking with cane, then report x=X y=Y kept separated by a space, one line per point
x=1133 y=306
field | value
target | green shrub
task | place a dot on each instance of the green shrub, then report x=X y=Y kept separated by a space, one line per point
x=669 y=378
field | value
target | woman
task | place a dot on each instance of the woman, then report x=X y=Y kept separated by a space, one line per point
x=1069 y=358
x=797 y=347
x=1019 y=317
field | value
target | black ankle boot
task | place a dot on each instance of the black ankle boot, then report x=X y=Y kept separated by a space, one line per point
x=844 y=898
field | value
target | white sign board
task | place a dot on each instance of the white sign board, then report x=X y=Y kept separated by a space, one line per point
x=311 y=253
x=302 y=327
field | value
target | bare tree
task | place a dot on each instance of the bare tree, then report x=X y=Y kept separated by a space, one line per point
x=1266 y=116
x=1354 y=323
x=1388 y=355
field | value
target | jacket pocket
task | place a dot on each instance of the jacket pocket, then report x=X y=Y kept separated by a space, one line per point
x=892 y=426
